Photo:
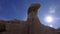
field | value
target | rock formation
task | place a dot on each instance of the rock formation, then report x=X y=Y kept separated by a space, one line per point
x=31 y=26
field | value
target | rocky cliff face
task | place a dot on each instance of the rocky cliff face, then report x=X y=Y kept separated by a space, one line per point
x=31 y=26
x=22 y=28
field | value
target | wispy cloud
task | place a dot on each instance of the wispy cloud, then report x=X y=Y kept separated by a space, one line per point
x=52 y=9
x=3 y=18
x=25 y=18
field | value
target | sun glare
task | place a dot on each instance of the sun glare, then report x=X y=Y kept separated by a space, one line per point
x=49 y=19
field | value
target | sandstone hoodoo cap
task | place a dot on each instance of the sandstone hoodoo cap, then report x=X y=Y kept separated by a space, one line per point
x=33 y=7
x=36 y=6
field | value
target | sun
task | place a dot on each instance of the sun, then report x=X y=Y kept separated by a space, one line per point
x=49 y=19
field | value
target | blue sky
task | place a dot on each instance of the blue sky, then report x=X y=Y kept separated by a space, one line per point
x=17 y=9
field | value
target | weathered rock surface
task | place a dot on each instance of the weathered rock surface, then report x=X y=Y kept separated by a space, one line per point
x=31 y=26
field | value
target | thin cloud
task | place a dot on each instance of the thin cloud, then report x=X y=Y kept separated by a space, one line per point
x=25 y=18
x=2 y=18
x=52 y=9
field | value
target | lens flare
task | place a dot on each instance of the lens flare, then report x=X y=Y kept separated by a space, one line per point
x=50 y=25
